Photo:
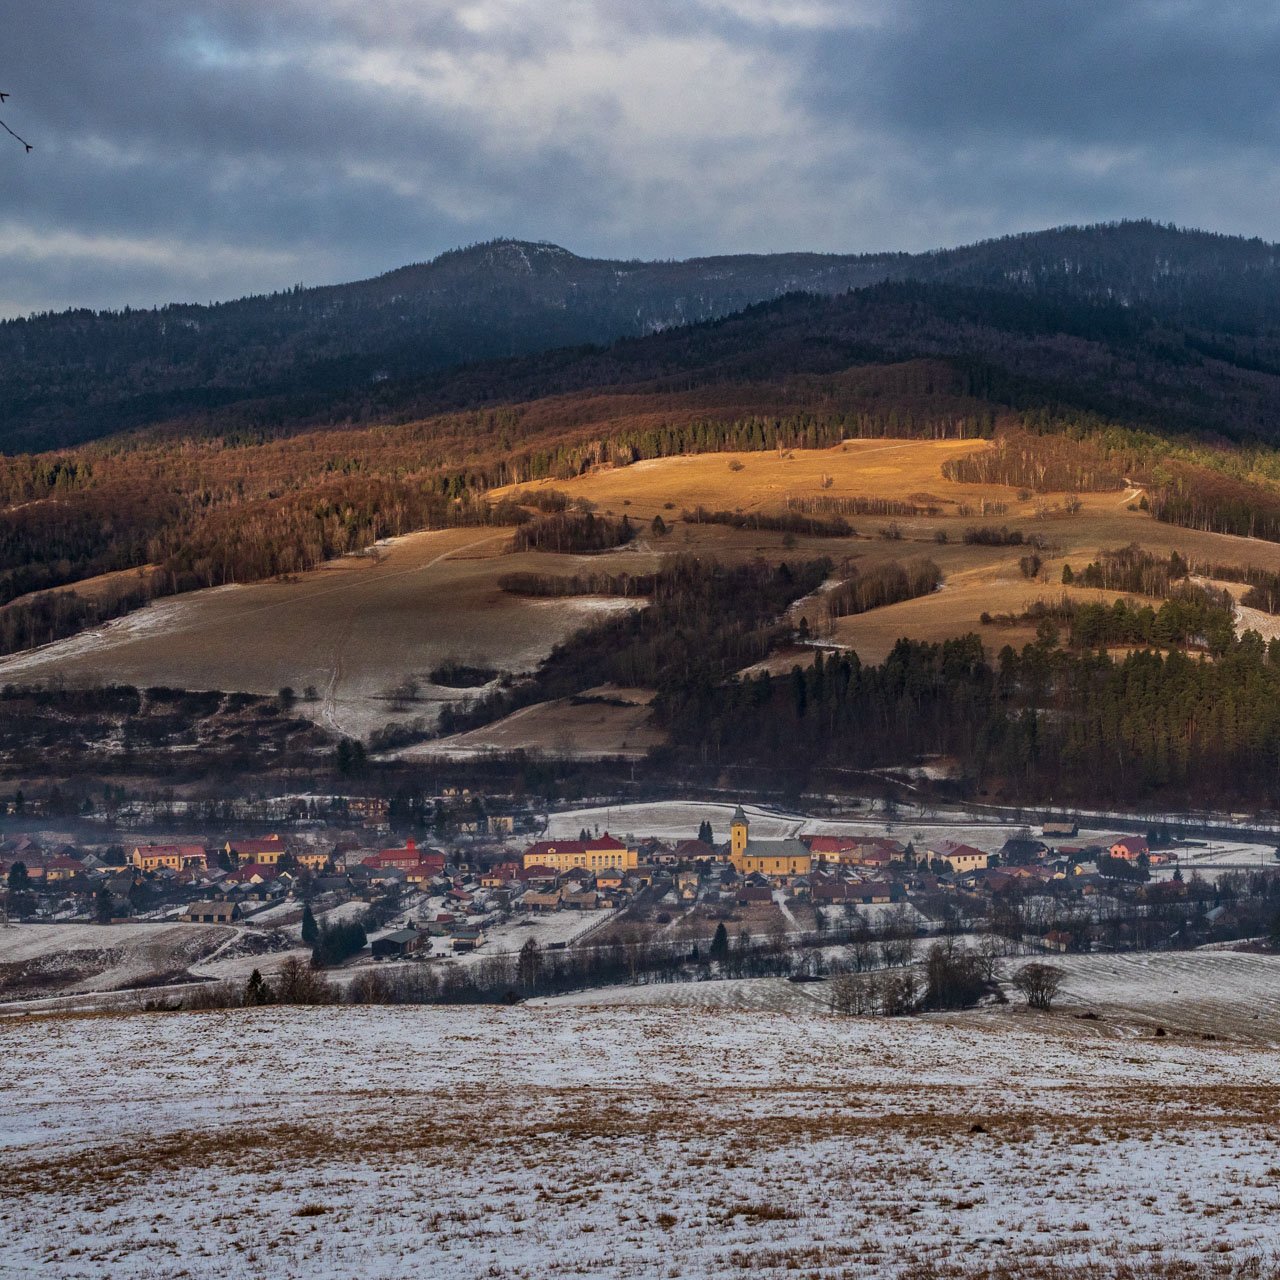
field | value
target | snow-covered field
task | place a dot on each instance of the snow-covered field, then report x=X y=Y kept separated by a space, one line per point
x=560 y=927
x=1227 y=994
x=679 y=819
x=468 y=1142
x=39 y=959
x=1224 y=993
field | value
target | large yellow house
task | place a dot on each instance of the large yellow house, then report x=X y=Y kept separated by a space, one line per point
x=262 y=853
x=595 y=855
x=959 y=857
x=176 y=857
x=775 y=858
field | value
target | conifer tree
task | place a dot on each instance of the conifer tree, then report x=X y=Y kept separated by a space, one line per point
x=720 y=944
x=256 y=991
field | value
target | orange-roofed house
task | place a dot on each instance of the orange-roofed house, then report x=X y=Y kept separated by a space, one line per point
x=833 y=848
x=62 y=868
x=1130 y=848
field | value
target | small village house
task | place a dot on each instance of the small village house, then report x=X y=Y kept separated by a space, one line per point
x=401 y=943
x=264 y=852
x=1130 y=848
x=534 y=900
x=959 y=857
x=212 y=913
x=407 y=857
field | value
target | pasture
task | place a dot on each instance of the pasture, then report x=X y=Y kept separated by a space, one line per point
x=364 y=633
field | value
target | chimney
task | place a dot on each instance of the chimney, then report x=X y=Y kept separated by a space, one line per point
x=410 y=845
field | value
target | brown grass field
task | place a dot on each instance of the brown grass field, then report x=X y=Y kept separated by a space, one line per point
x=355 y=630
x=363 y=625
x=978 y=578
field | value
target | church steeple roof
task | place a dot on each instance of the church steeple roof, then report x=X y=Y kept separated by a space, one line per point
x=739 y=818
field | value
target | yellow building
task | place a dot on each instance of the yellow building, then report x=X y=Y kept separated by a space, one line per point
x=775 y=858
x=177 y=857
x=595 y=855
x=959 y=857
x=262 y=853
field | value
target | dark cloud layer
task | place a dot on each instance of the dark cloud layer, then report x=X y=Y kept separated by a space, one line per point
x=200 y=150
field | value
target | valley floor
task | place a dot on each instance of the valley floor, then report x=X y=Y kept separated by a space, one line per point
x=641 y=1141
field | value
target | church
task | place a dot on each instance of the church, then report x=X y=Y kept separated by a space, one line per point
x=776 y=858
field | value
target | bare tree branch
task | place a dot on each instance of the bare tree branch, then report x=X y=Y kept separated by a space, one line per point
x=3 y=98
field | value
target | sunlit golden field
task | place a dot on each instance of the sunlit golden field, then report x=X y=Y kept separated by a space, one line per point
x=363 y=626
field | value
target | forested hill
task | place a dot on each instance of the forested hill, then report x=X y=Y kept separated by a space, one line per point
x=394 y=345
x=80 y=375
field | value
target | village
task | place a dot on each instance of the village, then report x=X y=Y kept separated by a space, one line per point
x=487 y=888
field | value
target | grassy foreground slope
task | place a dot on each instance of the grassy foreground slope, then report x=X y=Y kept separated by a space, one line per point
x=521 y=1143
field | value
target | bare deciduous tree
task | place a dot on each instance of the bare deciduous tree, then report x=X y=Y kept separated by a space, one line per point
x=1038 y=983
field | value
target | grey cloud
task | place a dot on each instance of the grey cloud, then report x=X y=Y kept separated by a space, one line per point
x=229 y=140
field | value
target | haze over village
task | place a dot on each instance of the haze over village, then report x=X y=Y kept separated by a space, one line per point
x=639 y=641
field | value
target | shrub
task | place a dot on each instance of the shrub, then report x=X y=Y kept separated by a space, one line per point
x=1038 y=983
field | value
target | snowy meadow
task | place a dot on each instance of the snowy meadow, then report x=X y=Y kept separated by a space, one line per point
x=630 y=1141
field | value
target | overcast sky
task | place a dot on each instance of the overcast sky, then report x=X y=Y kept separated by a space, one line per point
x=201 y=149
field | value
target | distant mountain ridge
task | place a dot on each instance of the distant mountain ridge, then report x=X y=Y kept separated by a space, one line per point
x=366 y=346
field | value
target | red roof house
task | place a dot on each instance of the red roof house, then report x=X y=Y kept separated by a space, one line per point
x=1130 y=848
x=408 y=857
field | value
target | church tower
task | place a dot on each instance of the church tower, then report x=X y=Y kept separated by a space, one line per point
x=737 y=837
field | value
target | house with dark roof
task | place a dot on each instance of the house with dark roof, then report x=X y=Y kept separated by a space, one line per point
x=697 y=851
x=872 y=891
x=212 y=913
x=1019 y=851
x=401 y=943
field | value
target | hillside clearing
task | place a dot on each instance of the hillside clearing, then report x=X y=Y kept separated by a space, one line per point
x=354 y=630
x=365 y=632
x=569 y=728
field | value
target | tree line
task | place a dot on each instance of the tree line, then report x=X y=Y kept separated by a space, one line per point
x=1043 y=722
x=553 y=585
x=787 y=522
x=879 y=585
x=572 y=534
x=704 y=621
